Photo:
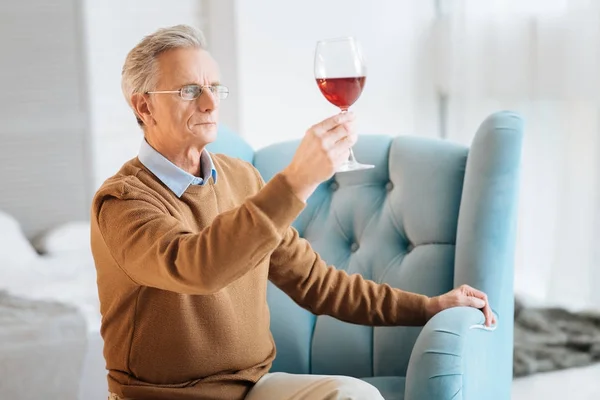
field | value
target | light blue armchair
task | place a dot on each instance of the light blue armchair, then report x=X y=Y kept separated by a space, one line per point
x=431 y=216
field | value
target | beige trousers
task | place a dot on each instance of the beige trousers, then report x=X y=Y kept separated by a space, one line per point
x=282 y=386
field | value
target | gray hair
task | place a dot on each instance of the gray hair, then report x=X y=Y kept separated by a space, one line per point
x=140 y=69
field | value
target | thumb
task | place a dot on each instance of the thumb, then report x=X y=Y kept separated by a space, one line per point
x=476 y=302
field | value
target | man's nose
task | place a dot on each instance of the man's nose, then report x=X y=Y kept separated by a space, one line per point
x=207 y=101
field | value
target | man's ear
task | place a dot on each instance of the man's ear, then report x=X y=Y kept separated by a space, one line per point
x=142 y=108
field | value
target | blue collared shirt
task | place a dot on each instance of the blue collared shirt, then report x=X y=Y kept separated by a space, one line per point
x=170 y=174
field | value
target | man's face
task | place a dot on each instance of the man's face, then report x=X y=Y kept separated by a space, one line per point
x=191 y=122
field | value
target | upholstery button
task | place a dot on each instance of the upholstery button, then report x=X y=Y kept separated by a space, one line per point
x=334 y=186
x=389 y=186
x=354 y=247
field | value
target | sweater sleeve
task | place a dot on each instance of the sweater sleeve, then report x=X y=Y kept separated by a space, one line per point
x=300 y=272
x=155 y=249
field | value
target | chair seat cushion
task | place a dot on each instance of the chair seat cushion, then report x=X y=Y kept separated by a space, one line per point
x=390 y=387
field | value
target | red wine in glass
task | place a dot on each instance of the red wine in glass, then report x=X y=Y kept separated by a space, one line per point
x=340 y=72
x=342 y=92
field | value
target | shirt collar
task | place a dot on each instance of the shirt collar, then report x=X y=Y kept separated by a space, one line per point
x=170 y=174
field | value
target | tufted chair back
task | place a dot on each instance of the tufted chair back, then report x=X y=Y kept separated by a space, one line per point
x=431 y=215
x=394 y=224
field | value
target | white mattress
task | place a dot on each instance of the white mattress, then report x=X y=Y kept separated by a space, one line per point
x=69 y=278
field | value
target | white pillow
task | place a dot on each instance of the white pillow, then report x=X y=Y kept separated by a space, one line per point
x=66 y=238
x=15 y=249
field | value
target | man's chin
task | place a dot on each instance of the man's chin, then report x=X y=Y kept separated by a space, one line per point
x=206 y=131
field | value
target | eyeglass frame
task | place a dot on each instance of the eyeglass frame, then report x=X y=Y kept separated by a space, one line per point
x=202 y=87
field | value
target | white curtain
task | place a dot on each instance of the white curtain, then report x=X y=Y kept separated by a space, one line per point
x=542 y=59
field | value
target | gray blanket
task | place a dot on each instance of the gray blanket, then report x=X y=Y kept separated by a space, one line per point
x=552 y=338
x=42 y=349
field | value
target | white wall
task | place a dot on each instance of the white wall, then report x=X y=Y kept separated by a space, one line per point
x=279 y=98
x=114 y=27
x=43 y=114
x=221 y=31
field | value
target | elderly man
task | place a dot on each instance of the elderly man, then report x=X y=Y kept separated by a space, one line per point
x=184 y=242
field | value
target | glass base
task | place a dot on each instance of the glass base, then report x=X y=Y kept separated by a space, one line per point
x=353 y=166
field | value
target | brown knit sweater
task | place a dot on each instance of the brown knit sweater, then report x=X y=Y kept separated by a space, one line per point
x=182 y=281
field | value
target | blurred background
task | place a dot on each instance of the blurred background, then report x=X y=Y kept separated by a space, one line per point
x=435 y=68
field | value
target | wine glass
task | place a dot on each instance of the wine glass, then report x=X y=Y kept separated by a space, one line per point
x=341 y=72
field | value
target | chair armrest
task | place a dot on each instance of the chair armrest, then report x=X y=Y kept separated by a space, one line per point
x=452 y=359
x=486 y=232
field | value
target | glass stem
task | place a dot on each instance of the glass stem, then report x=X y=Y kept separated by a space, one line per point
x=351 y=158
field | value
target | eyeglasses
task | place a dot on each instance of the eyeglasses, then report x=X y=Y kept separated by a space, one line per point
x=192 y=92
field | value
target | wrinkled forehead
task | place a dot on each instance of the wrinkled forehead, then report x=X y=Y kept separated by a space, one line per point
x=182 y=66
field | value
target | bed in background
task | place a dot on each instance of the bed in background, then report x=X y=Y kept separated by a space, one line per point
x=64 y=273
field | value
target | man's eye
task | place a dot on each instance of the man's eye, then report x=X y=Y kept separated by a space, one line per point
x=190 y=91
